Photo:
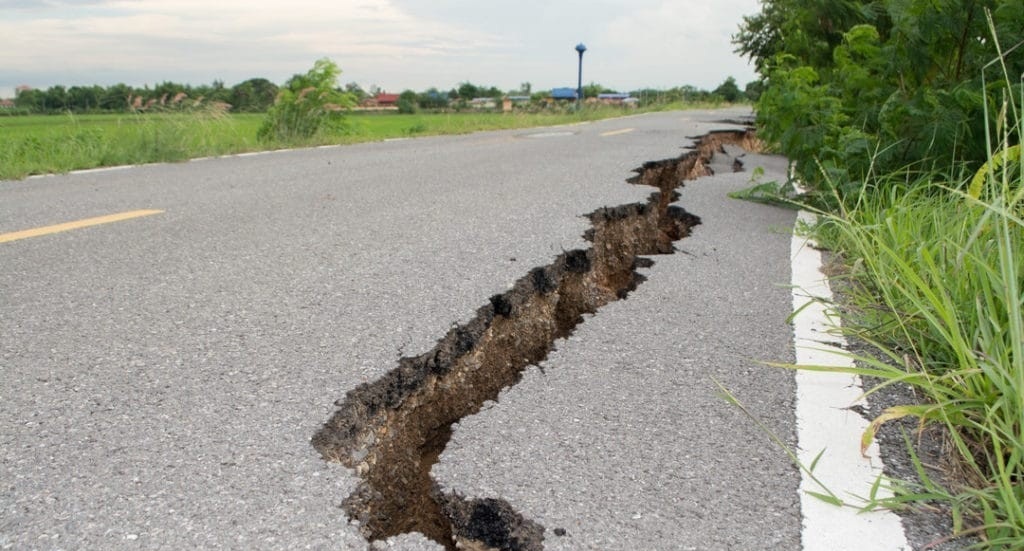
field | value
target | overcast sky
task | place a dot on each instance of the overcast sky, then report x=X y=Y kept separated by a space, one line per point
x=394 y=44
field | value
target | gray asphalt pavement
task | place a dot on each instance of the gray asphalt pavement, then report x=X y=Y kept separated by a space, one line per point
x=162 y=376
x=621 y=438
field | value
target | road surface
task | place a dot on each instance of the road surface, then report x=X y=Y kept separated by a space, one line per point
x=163 y=374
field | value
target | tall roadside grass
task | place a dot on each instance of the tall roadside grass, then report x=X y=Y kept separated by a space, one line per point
x=363 y=127
x=47 y=144
x=935 y=277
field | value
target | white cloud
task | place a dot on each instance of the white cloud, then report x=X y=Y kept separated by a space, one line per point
x=689 y=40
x=394 y=43
x=193 y=36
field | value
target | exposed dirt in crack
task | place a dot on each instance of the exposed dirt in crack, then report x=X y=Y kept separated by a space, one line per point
x=393 y=430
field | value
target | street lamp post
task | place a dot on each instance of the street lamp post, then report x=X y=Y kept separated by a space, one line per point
x=579 y=80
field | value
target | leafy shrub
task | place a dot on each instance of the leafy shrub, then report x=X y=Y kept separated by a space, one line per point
x=308 y=105
x=859 y=87
x=407 y=102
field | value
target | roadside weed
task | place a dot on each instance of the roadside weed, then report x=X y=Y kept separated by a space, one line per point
x=935 y=284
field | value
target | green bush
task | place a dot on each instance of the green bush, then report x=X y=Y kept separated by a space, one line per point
x=307 y=106
x=937 y=276
x=887 y=109
x=858 y=87
x=407 y=102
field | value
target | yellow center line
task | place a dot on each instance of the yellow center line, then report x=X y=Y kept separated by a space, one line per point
x=46 y=230
x=616 y=132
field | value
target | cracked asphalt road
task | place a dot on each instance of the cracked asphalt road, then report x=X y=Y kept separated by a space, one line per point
x=163 y=375
x=621 y=440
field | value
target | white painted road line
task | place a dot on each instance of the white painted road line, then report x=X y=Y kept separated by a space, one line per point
x=825 y=422
x=98 y=170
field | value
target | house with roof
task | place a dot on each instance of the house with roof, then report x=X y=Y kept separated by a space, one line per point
x=617 y=99
x=380 y=101
x=483 y=103
x=387 y=100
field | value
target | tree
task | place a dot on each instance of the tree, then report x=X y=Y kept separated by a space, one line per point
x=432 y=98
x=115 y=98
x=56 y=99
x=468 y=91
x=808 y=29
x=308 y=105
x=407 y=102
x=729 y=91
x=541 y=96
x=29 y=99
x=594 y=89
x=356 y=91
x=753 y=90
x=214 y=92
x=218 y=92
x=691 y=93
x=167 y=90
x=82 y=99
x=255 y=95
x=859 y=86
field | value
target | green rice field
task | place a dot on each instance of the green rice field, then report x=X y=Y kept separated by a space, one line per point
x=43 y=144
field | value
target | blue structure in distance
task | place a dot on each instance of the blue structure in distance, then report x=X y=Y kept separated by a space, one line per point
x=563 y=93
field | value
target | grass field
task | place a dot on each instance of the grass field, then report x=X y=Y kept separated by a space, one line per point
x=53 y=143
x=44 y=144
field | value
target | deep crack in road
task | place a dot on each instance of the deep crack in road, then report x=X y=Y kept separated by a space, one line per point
x=393 y=430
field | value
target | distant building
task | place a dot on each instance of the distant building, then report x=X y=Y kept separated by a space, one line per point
x=385 y=100
x=6 y=104
x=563 y=93
x=483 y=103
x=380 y=101
x=617 y=99
x=509 y=101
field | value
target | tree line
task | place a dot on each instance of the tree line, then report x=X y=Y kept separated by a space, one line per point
x=459 y=96
x=257 y=95
x=251 y=96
